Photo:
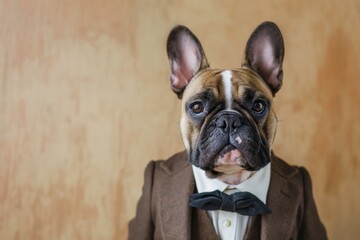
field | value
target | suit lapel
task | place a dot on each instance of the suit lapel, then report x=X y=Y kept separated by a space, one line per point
x=254 y=229
x=175 y=212
x=176 y=215
x=203 y=228
x=282 y=200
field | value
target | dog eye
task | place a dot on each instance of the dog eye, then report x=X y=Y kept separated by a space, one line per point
x=259 y=106
x=197 y=107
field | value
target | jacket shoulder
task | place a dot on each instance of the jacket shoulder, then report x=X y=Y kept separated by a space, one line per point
x=174 y=164
x=283 y=168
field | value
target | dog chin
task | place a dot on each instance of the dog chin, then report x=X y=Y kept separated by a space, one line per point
x=230 y=167
x=235 y=177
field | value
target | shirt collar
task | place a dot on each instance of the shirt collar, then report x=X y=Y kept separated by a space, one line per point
x=257 y=184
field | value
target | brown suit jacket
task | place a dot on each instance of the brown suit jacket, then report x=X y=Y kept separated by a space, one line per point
x=163 y=211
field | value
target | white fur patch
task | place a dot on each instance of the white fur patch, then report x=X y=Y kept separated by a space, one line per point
x=226 y=78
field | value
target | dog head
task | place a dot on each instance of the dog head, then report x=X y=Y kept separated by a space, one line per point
x=228 y=122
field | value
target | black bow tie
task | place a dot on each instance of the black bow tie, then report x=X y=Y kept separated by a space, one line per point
x=244 y=203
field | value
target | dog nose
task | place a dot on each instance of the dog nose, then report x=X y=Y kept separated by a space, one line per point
x=229 y=123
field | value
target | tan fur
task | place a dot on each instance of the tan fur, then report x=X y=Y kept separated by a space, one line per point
x=211 y=79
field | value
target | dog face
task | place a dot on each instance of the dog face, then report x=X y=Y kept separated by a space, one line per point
x=227 y=123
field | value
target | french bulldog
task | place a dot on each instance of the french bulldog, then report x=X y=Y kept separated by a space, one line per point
x=228 y=122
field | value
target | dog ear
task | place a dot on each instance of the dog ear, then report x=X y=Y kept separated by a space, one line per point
x=186 y=57
x=264 y=53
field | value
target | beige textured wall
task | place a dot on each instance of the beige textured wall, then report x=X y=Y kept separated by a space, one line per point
x=85 y=104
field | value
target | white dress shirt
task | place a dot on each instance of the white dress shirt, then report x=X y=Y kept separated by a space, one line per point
x=229 y=225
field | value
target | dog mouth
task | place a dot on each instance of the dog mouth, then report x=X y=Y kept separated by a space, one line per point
x=228 y=160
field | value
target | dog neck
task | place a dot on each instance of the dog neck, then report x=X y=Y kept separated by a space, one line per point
x=234 y=178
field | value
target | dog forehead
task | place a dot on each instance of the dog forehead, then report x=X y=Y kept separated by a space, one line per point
x=222 y=83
